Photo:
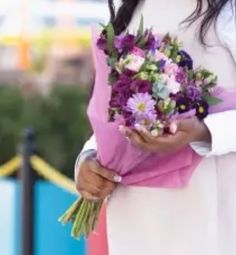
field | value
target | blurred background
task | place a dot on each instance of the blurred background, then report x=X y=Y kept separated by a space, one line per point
x=46 y=74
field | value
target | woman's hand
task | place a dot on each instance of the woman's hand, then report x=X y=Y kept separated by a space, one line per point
x=93 y=181
x=183 y=133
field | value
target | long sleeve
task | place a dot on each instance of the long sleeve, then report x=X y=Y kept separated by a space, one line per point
x=222 y=128
x=89 y=147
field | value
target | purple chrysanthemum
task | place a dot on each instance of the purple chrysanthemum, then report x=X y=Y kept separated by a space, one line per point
x=146 y=120
x=141 y=103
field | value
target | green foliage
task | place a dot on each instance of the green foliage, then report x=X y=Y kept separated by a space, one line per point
x=59 y=120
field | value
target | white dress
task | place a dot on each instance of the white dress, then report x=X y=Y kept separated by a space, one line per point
x=199 y=219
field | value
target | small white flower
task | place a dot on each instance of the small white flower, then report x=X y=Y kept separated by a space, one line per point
x=173 y=86
x=155 y=132
x=134 y=62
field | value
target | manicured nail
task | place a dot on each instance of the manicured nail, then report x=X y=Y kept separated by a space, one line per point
x=127 y=138
x=141 y=128
x=173 y=128
x=122 y=129
x=117 y=178
x=138 y=127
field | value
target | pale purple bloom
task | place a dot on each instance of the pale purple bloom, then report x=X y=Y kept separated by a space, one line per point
x=181 y=76
x=147 y=119
x=193 y=92
x=141 y=104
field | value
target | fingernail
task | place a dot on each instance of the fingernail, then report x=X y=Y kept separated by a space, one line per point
x=122 y=129
x=173 y=128
x=117 y=178
x=137 y=126
x=127 y=138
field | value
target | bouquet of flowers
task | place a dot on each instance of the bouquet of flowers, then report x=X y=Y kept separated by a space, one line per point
x=153 y=82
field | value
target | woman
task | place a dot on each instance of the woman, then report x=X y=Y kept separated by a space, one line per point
x=199 y=219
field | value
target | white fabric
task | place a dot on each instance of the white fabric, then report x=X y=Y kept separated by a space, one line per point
x=199 y=219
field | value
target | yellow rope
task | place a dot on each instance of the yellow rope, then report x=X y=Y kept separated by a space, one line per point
x=51 y=174
x=10 y=167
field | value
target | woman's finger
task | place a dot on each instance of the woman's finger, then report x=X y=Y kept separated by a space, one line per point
x=87 y=195
x=145 y=134
x=95 y=167
x=134 y=137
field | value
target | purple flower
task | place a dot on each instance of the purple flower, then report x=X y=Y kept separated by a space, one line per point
x=122 y=85
x=141 y=104
x=161 y=63
x=141 y=86
x=118 y=100
x=102 y=43
x=151 y=42
x=193 y=92
x=186 y=60
x=201 y=109
x=181 y=76
x=124 y=42
x=129 y=118
x=147 y=119
x=183 y=105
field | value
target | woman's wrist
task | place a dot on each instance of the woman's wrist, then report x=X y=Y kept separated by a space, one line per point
x=201 y=133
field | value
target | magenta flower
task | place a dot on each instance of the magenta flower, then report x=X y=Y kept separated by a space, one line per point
x=141 y=104
x=102 y=42
x=124 y=42
x=141 y=86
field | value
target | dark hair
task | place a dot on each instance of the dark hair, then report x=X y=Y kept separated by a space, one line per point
x=209 y=16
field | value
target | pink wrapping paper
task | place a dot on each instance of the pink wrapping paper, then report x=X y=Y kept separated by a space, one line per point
x=118 y=154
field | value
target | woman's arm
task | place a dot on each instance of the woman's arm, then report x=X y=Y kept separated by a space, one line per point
x=222 y=127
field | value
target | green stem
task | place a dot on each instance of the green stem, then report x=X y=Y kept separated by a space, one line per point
x=68 y=215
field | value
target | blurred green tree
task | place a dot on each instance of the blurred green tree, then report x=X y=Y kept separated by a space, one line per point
x=59 y=120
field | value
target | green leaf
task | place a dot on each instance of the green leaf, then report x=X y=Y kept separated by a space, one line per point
x=211 y=100
x=112 y=79
x=110 y=37
x=141 y=28
x=102 y=25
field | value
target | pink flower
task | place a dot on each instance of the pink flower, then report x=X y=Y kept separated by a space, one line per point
x=160 y=56
x=138 y=52
x=171 y=68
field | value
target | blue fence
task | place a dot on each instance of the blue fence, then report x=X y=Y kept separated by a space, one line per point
x=50 y=237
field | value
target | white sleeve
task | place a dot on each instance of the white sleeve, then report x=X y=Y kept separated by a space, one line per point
x=222 y=125
x=223 y=139
x=89 y=146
